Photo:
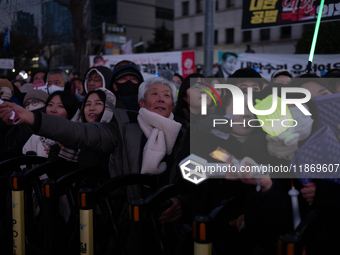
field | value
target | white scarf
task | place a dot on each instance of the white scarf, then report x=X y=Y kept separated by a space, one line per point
x=161 y=133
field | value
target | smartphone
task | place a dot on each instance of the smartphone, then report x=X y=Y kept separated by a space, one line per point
x=45 y=140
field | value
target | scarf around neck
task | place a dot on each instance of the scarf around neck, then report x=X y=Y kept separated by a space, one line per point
x=161 y=133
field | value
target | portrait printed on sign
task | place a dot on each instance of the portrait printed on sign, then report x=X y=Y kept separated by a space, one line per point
x=228 y=64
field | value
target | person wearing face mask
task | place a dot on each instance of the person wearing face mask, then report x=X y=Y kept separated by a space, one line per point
x=246 y=220
x=57 y=80
x=35 y=99
x=125 y=81
x=154 y=142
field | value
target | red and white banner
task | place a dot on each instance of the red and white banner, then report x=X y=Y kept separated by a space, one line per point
x=150 y=64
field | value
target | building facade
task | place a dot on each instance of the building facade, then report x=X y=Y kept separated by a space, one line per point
x=137 y=19
x=228 y=36
x=142 y=17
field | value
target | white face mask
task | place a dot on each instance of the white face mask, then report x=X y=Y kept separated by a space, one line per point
x=53 y=88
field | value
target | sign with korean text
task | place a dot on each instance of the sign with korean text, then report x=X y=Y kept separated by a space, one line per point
x=113 y=28
x=267 y=64
x=114 y=37
x=269 y=13
x=150 y=64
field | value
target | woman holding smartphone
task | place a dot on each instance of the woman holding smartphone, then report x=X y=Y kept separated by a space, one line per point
x=60 y=103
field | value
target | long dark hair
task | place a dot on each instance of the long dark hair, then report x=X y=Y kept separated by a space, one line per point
x=69 y=101
x=181 y=103
x=102 y=97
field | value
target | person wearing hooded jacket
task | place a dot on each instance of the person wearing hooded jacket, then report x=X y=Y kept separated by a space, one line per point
x=124 y=83
x=151 y=142
x=92 y=110
x=126 y=144
x=97 y=77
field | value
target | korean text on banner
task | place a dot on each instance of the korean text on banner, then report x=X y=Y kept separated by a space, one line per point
x=270 y=13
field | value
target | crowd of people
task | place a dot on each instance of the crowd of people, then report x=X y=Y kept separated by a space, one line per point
x=120 y=122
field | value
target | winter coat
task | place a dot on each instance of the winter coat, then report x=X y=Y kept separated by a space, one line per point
x=122 y=139
x=262 y=211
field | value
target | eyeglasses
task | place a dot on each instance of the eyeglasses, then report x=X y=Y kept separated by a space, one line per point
x=94 y=80
x=34 y=102
x=199 y=86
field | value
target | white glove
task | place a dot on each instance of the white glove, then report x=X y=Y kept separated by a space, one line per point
x=286 y=143
x=282 y=148
x=6 y=93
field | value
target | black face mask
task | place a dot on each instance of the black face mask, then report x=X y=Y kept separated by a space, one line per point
x=127 y=88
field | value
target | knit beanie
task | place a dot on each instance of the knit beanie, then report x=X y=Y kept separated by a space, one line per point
x=6 y=83
x=36 y=94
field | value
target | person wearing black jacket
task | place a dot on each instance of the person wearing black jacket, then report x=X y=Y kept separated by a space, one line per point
x=125 y=81
x=254 y=219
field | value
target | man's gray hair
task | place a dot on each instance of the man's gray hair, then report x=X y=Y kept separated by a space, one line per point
x=61 y=72
x=146 y=84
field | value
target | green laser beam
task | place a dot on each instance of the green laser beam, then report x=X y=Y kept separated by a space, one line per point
x=206 y=91
x=316 y=32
